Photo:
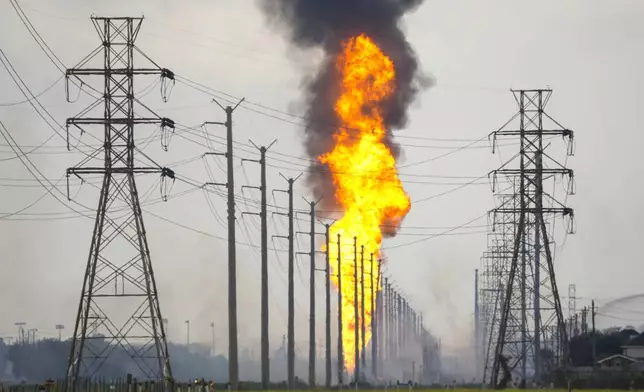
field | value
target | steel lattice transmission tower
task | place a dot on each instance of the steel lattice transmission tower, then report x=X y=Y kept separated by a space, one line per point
x=118 y=313
x=531 y=301
x=496 y=263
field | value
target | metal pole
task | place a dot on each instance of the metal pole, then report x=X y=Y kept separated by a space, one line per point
x=387 y=335
x=266 y=372
x=380 y=304
x=362 y=313
x=233 y=369
x=188 y=333
x=60 y=328
x=312 y=302
x=374 y=331
x=356 y=374
x=327 y=382
x=340 y=301
x=594 y=336
x=291 y=292
x=477 y=326
x=399 y=326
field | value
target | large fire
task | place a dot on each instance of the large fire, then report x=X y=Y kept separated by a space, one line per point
x=364 y=174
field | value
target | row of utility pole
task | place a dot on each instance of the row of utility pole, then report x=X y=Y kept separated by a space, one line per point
x=135 y=284
x=26 y=336
x=396 y=326
x=578 y=323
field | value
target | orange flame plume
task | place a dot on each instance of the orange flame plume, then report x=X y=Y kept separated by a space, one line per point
x=364 y=173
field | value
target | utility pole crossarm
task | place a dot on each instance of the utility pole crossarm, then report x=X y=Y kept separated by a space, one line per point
x=215 y=184
x=221 y=154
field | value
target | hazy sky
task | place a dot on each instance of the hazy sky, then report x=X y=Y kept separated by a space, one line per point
x=588 y=51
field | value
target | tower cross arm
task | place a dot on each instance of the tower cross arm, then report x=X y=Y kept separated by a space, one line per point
x=120 y=170
x=166 y=122
x=166 y=73
x=543 y=172
x=534 y=132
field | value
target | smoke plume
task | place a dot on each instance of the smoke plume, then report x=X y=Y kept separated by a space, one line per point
x=326 y=24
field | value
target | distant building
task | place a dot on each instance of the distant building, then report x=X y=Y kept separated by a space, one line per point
x=635 y=348
x=631 y=358
x=617 y=362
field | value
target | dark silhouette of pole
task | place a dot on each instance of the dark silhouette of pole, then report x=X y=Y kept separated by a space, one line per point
x=380 y=319
x=594 y=335
x=399 y=326
x=21 y=332
x=265 y=349
x=290 y=333
x=356 y=326
x=266 y=367
x=374 y=330
x=312 y=301
x=233 y=370
x=362 y=313
x=327 y=381
x=387 y=319
x=340 y=350
x=311 y=254
x=59 y=328
x=291 y=291
x=233 y=355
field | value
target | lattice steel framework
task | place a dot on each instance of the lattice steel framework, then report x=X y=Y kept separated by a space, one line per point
x=496 y=263
x=531 y=302
x=118 y=313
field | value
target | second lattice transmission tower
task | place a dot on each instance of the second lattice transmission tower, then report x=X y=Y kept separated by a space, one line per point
x=530 y=300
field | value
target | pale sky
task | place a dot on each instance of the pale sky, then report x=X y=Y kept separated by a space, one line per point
x=588 y=51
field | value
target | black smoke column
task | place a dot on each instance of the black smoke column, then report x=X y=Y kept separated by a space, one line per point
x=326 y=24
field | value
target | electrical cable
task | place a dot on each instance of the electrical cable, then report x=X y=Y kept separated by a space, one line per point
x=7 y=104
